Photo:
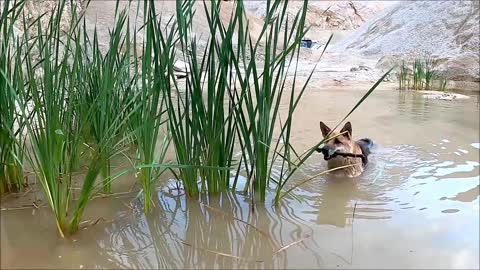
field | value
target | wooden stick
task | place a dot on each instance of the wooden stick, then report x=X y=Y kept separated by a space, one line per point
x=219 y=253
x=293 y=243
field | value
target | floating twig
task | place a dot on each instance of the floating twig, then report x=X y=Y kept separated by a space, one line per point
x=128 y=206
x=15 y=208
x=95 y=222
x=101 y=219
x=112 y=194
x=34 y=205
x=293 y=243
x=83 y=222
x=353 y=215
x=353 y=220
x=219 y=253
x=26 y=192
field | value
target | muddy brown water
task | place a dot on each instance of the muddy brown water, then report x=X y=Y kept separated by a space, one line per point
x=415 y=206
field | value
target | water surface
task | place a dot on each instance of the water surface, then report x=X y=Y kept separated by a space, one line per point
x=415 y=206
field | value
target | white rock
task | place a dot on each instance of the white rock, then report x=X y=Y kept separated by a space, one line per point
x=443 y=95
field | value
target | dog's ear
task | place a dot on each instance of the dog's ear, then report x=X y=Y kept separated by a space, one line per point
x=348 y=128
x=325 y=130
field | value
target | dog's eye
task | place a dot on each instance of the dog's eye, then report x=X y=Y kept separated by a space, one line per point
x=336 y=141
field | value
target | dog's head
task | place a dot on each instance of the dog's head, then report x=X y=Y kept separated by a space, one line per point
x=336 y=141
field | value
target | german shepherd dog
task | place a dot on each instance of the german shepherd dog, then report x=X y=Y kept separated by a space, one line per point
x=341 y=150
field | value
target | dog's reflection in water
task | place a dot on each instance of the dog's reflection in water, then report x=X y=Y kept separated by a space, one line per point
x=337 y=200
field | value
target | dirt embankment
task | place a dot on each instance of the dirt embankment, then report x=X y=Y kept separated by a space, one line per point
x=326 y=15
x=44 y=9
x=447 y=31
x=369 y=37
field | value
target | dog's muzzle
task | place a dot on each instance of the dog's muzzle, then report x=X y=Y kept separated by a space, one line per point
x=327 y=152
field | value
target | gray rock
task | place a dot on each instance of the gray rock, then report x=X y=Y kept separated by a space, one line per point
x=360 y=68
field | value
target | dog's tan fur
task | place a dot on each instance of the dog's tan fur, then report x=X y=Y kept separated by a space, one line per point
x=343 y=140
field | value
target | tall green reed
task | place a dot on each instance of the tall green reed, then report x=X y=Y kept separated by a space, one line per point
x=430 y=73
x=418 y=74
x=105 y=94
x=49 y=96
x=262 y=92
x=443 y=84
x=11 y=124
x=200 y=116
x=402 y=76
x=108 y=100
x=147 y=120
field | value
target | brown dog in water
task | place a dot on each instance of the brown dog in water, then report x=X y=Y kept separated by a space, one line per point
x=341 y=150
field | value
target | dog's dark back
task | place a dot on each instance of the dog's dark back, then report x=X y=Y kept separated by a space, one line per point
x=365 y=144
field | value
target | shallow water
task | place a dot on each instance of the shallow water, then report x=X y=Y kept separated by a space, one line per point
x=415 y=206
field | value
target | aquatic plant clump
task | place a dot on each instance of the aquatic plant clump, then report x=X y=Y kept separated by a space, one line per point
x=238 y=100
x=421 y=76
x=53 y=90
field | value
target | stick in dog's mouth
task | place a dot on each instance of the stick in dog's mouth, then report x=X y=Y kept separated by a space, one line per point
x=331 y=153
x=327 y=153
